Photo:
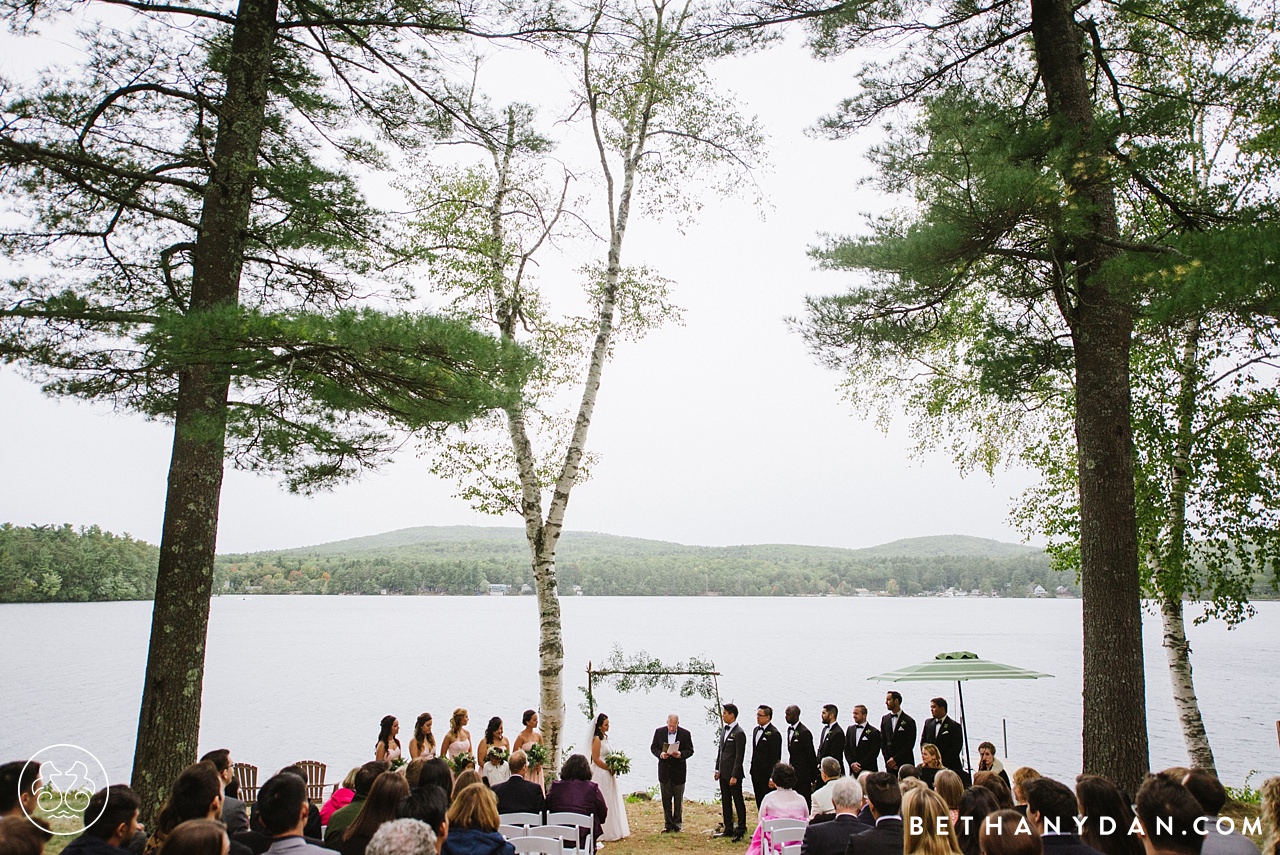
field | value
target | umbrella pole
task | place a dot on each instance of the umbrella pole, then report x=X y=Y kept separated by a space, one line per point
x=964 y=728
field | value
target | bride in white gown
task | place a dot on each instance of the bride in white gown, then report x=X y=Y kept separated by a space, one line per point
x=615 y=824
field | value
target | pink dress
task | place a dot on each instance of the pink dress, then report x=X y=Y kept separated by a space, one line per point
x=779 y=804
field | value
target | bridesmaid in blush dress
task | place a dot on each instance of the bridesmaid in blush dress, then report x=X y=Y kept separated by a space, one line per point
x=526 y=737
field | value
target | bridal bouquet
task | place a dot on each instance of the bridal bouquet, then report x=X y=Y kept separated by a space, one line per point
x=617 y=762
x=462 y=762
x=537 y=753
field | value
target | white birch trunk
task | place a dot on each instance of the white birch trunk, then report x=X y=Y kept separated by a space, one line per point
x=1177 y=649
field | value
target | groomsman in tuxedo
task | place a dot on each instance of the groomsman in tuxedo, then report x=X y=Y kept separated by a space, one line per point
x=945 y=732
x=800 y=753
x=897 y=735
x=673 y=746
x=831 y=740
x=862 y=744
x=733 y=750
x=766 y=752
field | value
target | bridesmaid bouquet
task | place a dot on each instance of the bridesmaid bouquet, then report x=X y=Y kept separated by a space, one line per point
x=398 y=764
x=617 y=762
x=462 y=761
x=537 y=754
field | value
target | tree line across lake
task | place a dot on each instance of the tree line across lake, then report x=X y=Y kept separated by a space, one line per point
x=69 y=564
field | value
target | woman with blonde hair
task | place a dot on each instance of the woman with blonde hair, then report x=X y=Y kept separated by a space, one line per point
x=948 y=785
x=458 y=739
x=1271 y=815
x=473 y=824
x=930 y=763
x=465 y=778
x=926 y=824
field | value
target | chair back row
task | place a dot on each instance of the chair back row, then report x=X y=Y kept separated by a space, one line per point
x=247 y=777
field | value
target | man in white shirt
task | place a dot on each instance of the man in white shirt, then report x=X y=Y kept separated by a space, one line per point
x=822 y=805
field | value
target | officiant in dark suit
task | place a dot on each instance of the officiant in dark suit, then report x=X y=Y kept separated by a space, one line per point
x=673 y=746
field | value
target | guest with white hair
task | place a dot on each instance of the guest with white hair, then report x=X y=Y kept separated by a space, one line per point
x=830 y=838
x=404 y=837
x=822 y=809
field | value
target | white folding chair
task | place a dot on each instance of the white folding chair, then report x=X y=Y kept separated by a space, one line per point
x=577 y=820
x=513 y=831
x=770 y=828
x=520 y=818
x=539 y=845
x=567 y=835
x=787 y=839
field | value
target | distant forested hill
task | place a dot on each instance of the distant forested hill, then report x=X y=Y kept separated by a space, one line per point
x=466 y=560
x=43 y=564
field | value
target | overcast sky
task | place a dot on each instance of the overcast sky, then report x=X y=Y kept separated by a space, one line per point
x=721 y=431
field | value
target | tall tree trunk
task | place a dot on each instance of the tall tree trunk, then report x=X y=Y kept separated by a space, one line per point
x=1115 y=728
x=1172 y=580
x=169 y=721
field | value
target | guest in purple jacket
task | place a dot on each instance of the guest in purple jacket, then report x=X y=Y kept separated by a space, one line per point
x=577 y=793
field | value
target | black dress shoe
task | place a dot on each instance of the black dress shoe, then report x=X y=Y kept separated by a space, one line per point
x=737 y=838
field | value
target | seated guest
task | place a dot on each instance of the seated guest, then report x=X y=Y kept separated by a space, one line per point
x=821 y=805
x=994 y=784
x=948 y=785
x=1021 y=776
x=196 y=794
x=782 y=802
x=930 y=763
x=285 y=811
x=1008 y=833
x=19 y=785
x=907 y=770
x=831 y=838
x=381 y=806
x=885 y=838
x=577 y=793
x=343 y=817
x=864 y=815
x=924 y=809
x=1051 y=810
x=975 y=805
x=112 y=815
x=1101 y=804
x=517 y=795
x=989 y=762
x=23 y=835
x=234 y=812
x=342 y=796
x=1205 y=787
x=473 y=824
x=1170 y=817
x=465 y=778
x=429 y=805
x=404 y=837
x=196 y=837
x=436 y=772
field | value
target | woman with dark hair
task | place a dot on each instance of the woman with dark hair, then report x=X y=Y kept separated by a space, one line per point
x=947 y=784
x=577 y=793
x=989 y=762
x=388 y=748
x=616 y=826
x=458 y=739
x=975 y=805
x=1008 y=833
x=782 y=802
x=341 y=796
x=197 y=837
x=493 y=764
x=473 y=824
x=423 y=743
x=381 y=805
x=529 y=736
x=196 y=794
x=1098 y=797
x=436 y=772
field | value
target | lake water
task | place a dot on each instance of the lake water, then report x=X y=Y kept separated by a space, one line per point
x=73 y=673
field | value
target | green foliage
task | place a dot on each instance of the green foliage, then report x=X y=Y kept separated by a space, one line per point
x=1245 y=793
x=64 y=564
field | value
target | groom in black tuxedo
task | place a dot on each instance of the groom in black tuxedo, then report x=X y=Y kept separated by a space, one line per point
x=673 y=746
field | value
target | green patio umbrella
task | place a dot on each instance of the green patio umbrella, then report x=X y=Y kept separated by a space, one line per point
x=959 y=665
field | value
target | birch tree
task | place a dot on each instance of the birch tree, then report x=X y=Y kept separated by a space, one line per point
x=659 y=131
